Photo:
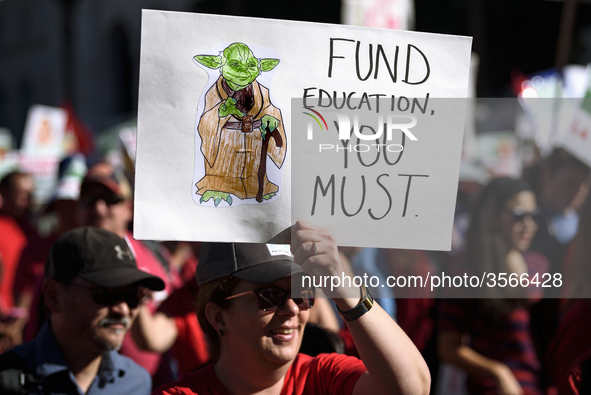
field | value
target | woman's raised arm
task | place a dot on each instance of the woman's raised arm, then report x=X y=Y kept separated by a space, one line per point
x=394 y=364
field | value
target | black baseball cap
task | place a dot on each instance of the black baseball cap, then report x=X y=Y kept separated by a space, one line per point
x=255 y=262
x=103 y=173
x=99 y=256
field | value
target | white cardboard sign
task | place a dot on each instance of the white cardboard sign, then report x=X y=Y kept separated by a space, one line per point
x=577 y=138
x=202 y=134
x=43 y=147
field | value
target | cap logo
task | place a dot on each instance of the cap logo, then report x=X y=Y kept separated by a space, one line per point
x=121 y=253
x=279 y=249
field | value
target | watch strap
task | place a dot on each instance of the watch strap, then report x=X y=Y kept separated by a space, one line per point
x=365 y=304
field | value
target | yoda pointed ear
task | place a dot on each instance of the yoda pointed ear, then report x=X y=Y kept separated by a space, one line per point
x=269 y=64
x=210 y=61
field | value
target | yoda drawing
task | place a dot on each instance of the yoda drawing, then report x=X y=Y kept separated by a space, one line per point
x=239 y=128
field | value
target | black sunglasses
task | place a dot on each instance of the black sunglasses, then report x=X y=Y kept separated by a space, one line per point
x=109 y=199
x=272 y=298
x=519 y=214
x=112 y=296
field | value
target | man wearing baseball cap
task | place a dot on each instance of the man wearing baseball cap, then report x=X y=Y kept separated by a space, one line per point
x=106 y=202
x=105 y=199
x=92 y=292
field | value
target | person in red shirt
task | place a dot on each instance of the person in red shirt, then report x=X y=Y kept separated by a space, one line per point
x=52 y=221
x=174 y=326
x=254 y=320
x=568 y=356
x=16 y=190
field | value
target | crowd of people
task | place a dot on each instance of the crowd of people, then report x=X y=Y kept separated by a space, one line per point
x=85 y=308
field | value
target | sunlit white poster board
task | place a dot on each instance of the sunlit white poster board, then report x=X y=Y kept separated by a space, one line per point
x=202 y=134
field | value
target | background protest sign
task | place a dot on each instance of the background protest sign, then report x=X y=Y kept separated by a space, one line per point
x=183 y=100
x=43 y=147
x=8 y=155
x=577 y=139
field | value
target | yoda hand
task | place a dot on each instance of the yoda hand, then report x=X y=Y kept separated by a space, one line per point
x=229 y=108
x=268 y=124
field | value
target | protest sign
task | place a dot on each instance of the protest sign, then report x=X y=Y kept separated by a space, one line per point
x=117 y=145
x=541 y=98
x=499 y=152
x=389 y=14
x=577 y=139
x=575 y=83
x=43 y=147
x=8 y=156
x=211 y=87
x=44 y=131
x=6 y=142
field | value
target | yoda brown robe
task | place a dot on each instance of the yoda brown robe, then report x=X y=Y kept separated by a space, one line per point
x=232 y=157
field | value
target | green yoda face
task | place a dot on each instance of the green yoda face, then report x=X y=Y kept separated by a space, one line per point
x=238 y=65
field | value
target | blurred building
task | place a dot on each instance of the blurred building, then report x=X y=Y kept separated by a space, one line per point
x=87 y=52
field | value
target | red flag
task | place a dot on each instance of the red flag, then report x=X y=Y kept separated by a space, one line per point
x=83 y=137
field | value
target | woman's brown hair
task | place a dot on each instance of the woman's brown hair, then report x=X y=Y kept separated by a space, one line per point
x=486 y=245
x=214 y=291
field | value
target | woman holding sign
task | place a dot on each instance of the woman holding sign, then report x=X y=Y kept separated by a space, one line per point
x=254 y=320
x=490 y=337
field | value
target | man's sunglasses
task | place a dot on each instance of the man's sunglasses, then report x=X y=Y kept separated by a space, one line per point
x=112 y=296
x=272 y=298
x=109 y=199
x=519 y=214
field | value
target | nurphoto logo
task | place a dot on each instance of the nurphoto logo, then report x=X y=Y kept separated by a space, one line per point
x=346 y=131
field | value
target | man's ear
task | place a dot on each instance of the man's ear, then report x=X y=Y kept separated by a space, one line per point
x=53 y=294
x=215 y=316
x=269 y=64
x=209 y=61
